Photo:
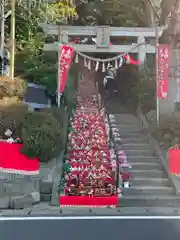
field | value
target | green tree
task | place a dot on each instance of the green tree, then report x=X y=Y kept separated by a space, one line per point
x=29 y=14
x=31 y=60
x=169 y=18
x=113 y=12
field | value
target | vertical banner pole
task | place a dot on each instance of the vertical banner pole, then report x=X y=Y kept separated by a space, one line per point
x=2 y=35
x=13 y=5
x=59 y=72
x=59 y=78
x=157 y=78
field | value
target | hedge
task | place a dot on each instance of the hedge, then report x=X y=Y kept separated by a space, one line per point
x=70 y=93
x=41 y=134
x=61 y=115
x=136 y=88
x=168 y=132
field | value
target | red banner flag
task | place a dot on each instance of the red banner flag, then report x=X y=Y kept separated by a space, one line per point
x=130 y=60
x=66 y=56
x=163 y=70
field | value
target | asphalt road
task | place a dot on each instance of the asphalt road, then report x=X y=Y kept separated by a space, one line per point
x=90 y=229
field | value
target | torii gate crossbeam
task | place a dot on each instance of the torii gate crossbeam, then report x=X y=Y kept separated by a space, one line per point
x=103 y=34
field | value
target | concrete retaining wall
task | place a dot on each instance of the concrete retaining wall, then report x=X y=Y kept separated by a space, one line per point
x=19 y=191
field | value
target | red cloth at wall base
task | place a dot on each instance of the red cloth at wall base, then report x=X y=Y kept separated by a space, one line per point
x=13 y=161
x=174 y=161
x=67 y=201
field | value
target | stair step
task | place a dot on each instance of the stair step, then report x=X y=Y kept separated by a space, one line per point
x=129 y=122
x=124 y=132
x=129 y=127
x=143 y=159
x=45 y=197
x=124 y=126
x=151 y=181
x=46 y=187
x=149 y=200
x=148 y=173
x=125 y=119
x=136 y=146
x=146 y=165
x=149 y=190
x=134 y=139
x=129 y=140
x=132 y=135
x=125 y=115
x=138 y=152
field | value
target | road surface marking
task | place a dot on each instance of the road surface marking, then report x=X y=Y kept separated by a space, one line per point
x=89 y=218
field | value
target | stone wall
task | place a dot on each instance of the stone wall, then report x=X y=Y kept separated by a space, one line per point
x=49 y=179
x=18 y=191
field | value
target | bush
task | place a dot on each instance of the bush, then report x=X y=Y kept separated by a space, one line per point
x=137 y=88
x=42 y=136
x=145 y=89
x=9 y=101
x=60 y=114
x=146 y=92
x=168 y=133
x=70 y=94
x=13 y=117
x=151 y=116
x=12 y=88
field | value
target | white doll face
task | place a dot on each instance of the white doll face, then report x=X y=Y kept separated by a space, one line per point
x=8 y=133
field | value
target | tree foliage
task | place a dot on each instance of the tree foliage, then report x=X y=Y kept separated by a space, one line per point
x=57 y=12
x=42 y=138
x=31 y=62
x=113 y=12
x=9 y=88
x=29 y=13
x=170 y=18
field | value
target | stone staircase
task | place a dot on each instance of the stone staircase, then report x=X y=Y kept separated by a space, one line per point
x=151 y=186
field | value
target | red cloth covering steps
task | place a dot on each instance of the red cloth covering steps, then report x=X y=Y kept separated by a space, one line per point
x=13 y=161
x=89 y=158
x=66 y=201
x=91 y=181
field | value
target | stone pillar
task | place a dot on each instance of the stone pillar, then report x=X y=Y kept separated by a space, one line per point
x=141 y=49
x=103 y=36
x=177 y=74
x=63 y=36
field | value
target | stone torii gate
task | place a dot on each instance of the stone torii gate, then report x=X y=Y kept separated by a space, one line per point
x=103 y=35
x=145 y=43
